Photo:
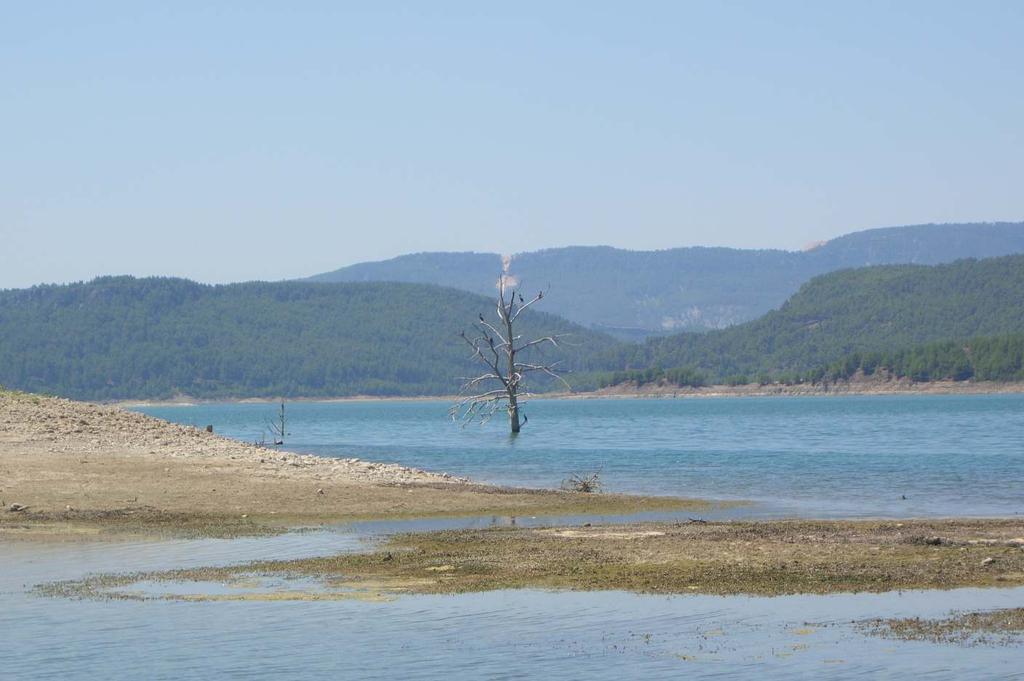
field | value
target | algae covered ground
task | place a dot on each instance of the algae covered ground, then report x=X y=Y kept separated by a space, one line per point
x=994 y=627
x=759 y=558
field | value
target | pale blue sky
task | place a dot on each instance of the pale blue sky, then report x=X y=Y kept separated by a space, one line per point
x=231 y=141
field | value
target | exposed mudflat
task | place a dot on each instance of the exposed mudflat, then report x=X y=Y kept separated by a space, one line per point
x=757 y=558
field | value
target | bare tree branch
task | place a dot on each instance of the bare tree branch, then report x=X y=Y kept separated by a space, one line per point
x=539 y=296
x=549 y=370
x=539 y=341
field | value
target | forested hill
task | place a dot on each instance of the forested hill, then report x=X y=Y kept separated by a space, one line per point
x=637 y=293
x=872 y=309
x=127 y=338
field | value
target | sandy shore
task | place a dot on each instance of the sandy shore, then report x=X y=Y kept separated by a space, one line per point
x=66 y=464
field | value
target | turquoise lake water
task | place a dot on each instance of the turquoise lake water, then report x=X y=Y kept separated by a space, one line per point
x=856 y=456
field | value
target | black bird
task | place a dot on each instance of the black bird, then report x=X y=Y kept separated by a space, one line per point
x=481 y=317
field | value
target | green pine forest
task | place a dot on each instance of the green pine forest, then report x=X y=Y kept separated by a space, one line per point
x=866 y=310
x=127 y=338
x=984 y=358
x=156 y=338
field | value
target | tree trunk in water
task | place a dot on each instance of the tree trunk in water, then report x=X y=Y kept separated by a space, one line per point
x=513 y=414
x=513 y=385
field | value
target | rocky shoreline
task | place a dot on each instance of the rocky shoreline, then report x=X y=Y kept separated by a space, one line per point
x=66 y=427
x=858 y=386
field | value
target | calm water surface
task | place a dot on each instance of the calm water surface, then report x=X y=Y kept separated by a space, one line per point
x=498 y=635
x=837 y=456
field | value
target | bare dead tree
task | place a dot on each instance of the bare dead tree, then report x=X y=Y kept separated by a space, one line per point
x=497 y=347
x=278 y=426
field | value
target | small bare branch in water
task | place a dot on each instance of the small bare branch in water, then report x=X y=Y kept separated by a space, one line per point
x=278 y=426
x=587 y=484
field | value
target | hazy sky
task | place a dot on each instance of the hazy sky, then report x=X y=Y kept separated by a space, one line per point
x=271 y=140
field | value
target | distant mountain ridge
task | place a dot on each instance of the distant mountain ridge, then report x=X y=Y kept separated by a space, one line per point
x=633 y=294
